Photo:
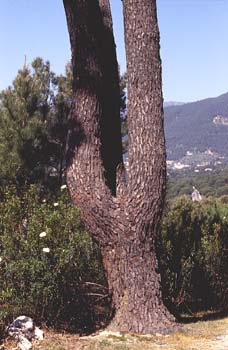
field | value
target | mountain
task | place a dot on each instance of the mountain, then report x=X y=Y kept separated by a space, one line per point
x=172 y=103
x=198 y=129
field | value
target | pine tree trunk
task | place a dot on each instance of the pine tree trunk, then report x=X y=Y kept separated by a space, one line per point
x=123 y=217
x=134 y=281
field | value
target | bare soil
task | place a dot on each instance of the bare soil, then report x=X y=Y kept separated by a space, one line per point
x=203 y=335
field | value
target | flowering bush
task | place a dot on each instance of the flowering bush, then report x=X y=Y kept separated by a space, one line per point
x=46 y=260
x=50 y=269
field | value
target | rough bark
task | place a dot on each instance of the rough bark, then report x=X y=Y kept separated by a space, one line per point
x=123 y=218
x=91 y=178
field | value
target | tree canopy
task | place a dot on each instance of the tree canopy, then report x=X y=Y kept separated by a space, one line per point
x=33 y=117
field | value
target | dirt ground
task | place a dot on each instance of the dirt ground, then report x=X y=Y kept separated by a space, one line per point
x=203 y=335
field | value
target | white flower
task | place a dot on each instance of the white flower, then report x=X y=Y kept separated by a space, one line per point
x=0 y=259
x=63 y=187
x=46 y=250
x=43 y=234
x=44 y=200
x=224 y=217
x=56 y=204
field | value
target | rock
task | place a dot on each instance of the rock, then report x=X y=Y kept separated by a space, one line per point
x=22 y=326
x=39 y=334
x=24 y=343
x=23 y=330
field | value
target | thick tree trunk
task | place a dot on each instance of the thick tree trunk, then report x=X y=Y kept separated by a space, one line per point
x=134 y=280
x=135 y=285
x=123 y=218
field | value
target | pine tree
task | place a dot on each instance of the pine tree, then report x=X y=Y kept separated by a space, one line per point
x=122 y=214
x=33 y=115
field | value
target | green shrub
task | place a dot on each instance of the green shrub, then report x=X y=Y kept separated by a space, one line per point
x=46 y=258
x=193 y=251
x=50 y=269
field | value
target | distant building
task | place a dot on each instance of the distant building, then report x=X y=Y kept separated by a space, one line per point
x=196 y=197
x=180 y=166
x=188 y=153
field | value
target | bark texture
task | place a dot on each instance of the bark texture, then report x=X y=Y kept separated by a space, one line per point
x=123 y=217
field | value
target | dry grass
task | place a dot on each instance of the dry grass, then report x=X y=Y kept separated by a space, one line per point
x=203 y=335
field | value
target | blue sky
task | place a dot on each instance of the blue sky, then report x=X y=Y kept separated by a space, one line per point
x=194 y=45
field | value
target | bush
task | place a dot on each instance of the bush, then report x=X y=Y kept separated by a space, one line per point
x=46 y=258
x=193 y=254
x=51 y=270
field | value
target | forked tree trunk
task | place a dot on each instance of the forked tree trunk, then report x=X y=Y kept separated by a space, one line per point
x=122 y=216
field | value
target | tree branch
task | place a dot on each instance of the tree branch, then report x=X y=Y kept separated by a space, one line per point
x=94 y=143
x=145 y=109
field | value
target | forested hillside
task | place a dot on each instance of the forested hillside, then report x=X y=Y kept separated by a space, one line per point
x=209 y=184
x=197 y=126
